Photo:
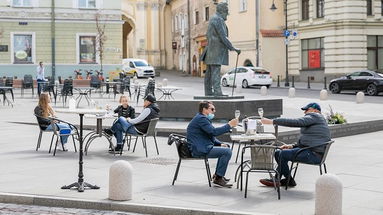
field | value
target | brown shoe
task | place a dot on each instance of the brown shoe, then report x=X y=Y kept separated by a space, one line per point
x=220 y=182
x=269 y=182
x=224 y=178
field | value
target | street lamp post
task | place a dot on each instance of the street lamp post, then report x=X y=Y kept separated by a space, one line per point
x=273 y=8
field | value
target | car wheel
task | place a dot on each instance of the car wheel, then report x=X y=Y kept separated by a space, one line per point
x=245 y=84
x=224 y=82
x=371 y=90
x=334 y=87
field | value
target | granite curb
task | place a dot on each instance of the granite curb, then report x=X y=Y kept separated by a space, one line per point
x=53 y=201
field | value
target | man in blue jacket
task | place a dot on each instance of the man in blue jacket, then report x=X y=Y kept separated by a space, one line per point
x=314 y=131
x=202 y=142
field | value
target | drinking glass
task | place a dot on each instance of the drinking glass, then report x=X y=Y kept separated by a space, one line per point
x=260 y=112
x=237 y=113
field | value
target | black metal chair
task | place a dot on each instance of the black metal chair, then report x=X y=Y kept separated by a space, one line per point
x=185 y=154
x=56 y=133
x=151 y=132
x=327 y=148
x=95 y=82
x=27 y=83
x=67 y=90
x=261 y=160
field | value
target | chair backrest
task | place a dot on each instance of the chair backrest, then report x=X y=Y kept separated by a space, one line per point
x=9 y=82
x=40 y=118
x=60 y=79
x=152 y=127
x=327 y=148
x=94 y=80
x=67 y=87
x=262 y=157
x=28 y=79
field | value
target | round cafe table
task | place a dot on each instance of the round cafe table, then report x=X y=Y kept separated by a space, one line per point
x=80 y=185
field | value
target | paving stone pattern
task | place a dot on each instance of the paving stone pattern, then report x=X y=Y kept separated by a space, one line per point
x=13 y=209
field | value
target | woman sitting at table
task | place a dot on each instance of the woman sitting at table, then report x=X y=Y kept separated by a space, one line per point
x=44 y=110
x=124 y=112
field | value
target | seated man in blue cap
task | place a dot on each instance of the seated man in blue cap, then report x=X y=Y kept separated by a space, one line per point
x=314 y=131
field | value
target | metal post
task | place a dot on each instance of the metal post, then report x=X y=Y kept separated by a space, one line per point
x=278 y=81
x=287 y=51
x=257 y=32
x=325 y=83
x=189 y=40
x=53 y=41
x=292 y=82
x=308 y=82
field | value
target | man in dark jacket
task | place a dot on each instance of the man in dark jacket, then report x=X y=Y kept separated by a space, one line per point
x=201 y=137
x=137 y=125
x=314 y=131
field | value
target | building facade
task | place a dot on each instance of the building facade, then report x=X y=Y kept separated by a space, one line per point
x=63 y=35
x=334 y=37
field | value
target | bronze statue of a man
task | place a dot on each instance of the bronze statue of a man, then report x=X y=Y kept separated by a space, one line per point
x=217 y=51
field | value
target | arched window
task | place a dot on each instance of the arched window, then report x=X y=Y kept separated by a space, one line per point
x=248 y=63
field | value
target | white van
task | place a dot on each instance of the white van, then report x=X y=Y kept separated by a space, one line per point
x=137 y=67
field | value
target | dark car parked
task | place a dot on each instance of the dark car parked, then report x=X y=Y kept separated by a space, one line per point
x=369 y=81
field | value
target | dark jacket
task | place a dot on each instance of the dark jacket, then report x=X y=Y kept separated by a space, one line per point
x=125 y=112
x=314 y=130
x=43 y=122
x=142 y=127
x=201 y=135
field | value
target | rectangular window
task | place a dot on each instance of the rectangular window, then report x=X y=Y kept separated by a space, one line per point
x=196 y=21
x=22 y=48
x=320 y=8
x=87 y=3
x=375 y=53
x=242 y=5
x=305 y=9
x=87 y=49
x=312 y=53
x=22 y=3
x=207 y=14
x=369 y=7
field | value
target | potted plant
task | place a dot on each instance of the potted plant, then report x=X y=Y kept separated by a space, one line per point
x=335 y=117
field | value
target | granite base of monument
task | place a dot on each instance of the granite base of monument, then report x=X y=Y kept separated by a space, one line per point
x=224 y=97
x=185 y=110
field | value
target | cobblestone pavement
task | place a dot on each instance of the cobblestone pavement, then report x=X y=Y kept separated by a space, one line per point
x=13 y=209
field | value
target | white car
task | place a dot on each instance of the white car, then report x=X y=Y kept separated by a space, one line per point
x=137 y=67
x=247 y=76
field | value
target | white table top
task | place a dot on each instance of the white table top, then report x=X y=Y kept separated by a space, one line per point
x=81 y=111
x=168 y=88
x=254 y=137
x=105 y=116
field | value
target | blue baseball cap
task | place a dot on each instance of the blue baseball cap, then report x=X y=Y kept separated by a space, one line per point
x=312 y=105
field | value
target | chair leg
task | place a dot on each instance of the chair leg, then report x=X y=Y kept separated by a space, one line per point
x=295 y=171
x=155 y=141
x=135 y=143
x=50 y=147
x=208 y=171
x=247 y=180
x=239 y=147
x=288 y=178
x=74 y=144
x=128 y=143
x=177 y=170
x=320 y=169
x=325 y=168
x=39 y=140
x=57 y=140
x=145 y=145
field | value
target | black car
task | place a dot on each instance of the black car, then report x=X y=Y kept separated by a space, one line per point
x=369 y=81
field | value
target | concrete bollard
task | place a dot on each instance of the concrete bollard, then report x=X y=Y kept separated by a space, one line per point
x=291 y=92
x=360 y=97
x=165 y=82
x=263 y=91
x=323 y=95
x=120 y=181
x=328 y=195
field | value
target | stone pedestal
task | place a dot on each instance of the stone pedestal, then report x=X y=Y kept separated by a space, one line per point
x=120 y=181
x=328 y=195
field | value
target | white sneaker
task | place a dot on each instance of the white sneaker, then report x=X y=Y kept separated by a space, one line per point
x=65 y=148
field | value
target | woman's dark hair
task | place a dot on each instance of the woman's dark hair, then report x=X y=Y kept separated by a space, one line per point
x=204 y=104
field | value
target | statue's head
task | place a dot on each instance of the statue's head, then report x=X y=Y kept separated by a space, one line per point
x=223 y=10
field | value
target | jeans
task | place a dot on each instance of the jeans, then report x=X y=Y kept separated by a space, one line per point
x=64 y=138
x=223 y=154
x=283 y=156
x=120 y=127
x=40 y=86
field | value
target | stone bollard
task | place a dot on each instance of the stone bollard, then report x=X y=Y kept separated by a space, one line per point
x=291 y=92
x=360 y=97
x=263 y=91
x=120 y=181
x=323 y=95
x=165 y=82
x=328 y=195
